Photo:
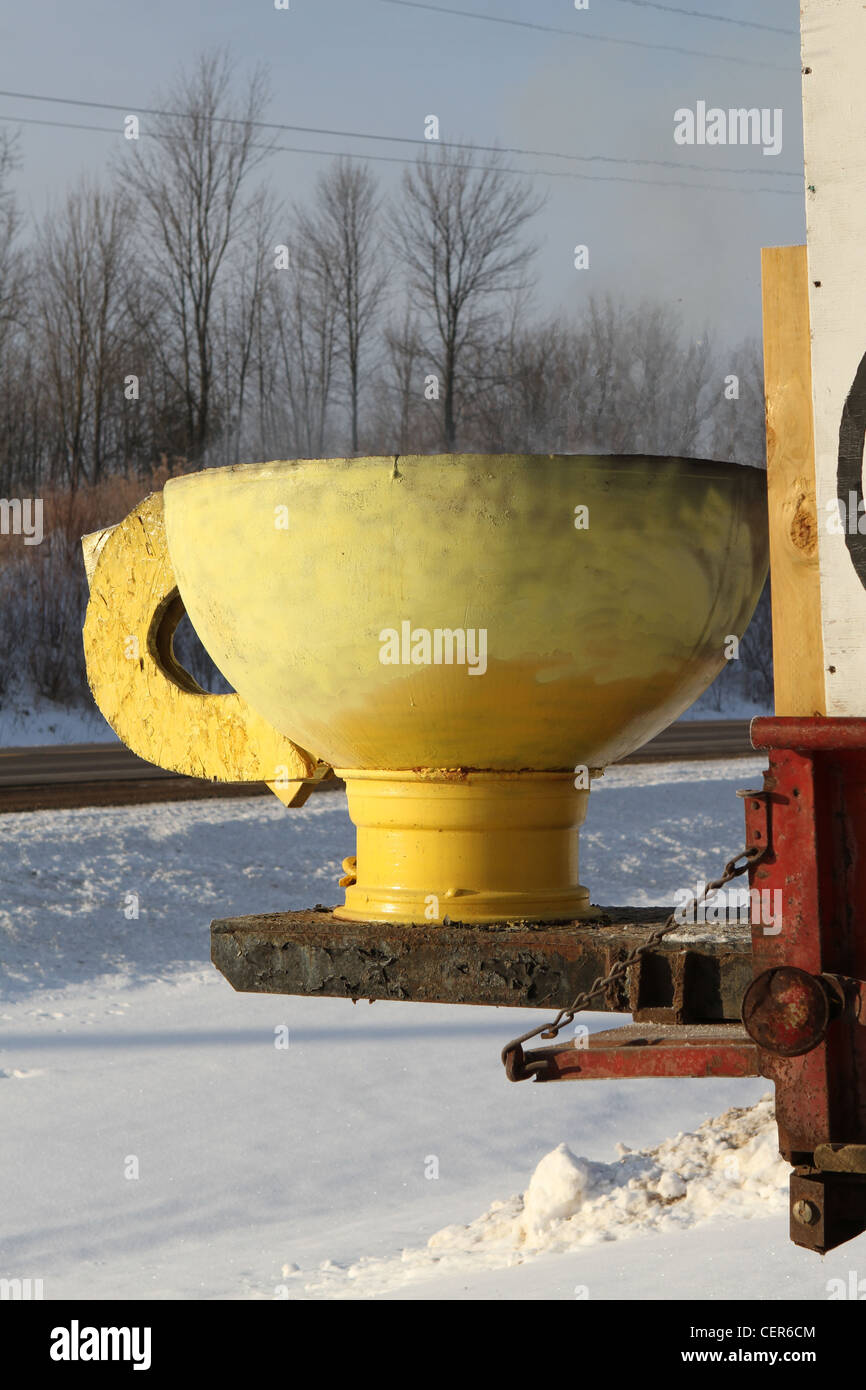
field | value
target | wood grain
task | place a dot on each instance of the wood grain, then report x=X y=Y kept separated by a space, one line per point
x=798 y=648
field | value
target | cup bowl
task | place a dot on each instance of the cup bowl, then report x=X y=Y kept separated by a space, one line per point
x=606 y=588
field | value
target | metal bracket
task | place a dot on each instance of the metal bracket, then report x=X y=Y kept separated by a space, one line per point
x=641 y=1050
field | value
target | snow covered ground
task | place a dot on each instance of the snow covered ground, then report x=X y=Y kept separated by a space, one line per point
x=157 y=1141
x=30 y=723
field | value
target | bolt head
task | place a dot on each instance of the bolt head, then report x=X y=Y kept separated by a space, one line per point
x=806 y=1213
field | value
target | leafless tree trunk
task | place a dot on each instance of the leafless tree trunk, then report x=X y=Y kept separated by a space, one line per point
x=14 y=352
x=11 y=264
x=404 y=351
x=241 y=329
x=81 y=309
x=303 y=330
x=189 y=178
x=341 y=242
x=458 y=230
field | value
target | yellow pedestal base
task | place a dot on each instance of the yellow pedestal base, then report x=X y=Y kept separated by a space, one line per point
x=470 y=847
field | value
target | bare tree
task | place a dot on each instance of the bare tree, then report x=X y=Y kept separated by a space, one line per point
x=298 y=352
x=645 y=387
x=618 y=379
x=241 y=324
x=403 y=351
x=190 y=180
x=342 y=243
x=527 y=391
x=16 y=365
x=739 y=431
x=81 y=303
x=11 y=266
x=458 y=230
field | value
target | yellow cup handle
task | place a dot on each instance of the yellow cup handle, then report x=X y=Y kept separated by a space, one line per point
x=153 y=704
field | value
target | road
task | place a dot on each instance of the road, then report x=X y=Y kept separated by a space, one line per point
x=105 y=774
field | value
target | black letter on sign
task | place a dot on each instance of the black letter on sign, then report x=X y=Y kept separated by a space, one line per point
x=849 y=478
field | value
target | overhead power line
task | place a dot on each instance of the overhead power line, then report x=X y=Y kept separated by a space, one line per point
x=701 y=14
x=585 y=37
x=481 y=168
x=677 y=165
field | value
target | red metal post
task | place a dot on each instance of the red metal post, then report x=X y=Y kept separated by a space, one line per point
x=811 y=814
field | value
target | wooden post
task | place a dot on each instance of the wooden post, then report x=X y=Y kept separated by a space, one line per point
x=798 y=649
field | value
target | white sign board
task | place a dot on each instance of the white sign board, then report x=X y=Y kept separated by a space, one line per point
x=834 y=122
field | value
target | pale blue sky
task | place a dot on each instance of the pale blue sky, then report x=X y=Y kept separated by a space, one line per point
x=373 y=66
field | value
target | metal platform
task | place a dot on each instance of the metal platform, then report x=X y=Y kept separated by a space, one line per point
x=696 y=975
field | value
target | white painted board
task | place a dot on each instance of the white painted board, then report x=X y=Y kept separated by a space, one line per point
x=834 y=121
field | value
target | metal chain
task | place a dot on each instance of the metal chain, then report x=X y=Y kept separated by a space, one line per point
x=733 y=869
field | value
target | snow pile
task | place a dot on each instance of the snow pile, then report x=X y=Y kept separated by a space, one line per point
x=729 y=1166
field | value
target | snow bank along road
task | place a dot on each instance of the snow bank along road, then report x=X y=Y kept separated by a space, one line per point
x=166 y=1138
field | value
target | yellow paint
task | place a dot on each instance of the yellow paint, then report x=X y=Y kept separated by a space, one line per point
x=148 y=699
x=597 y=637
x=487 y=847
